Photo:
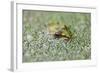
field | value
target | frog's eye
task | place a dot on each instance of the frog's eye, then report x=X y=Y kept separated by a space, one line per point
x=58 y=34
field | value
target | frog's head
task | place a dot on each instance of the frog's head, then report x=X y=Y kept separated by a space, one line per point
x=54 y=27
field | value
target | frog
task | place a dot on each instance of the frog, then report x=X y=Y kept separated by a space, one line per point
x=59 y=30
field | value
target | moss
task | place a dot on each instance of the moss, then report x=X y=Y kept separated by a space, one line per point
x=39 y=46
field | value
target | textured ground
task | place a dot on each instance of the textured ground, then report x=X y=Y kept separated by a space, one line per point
x=38 y=45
